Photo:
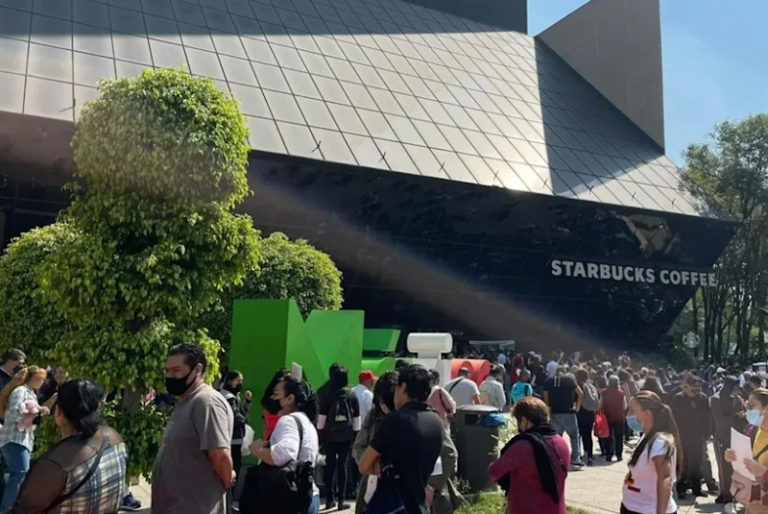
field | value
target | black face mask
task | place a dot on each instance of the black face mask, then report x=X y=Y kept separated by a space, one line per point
x=234 y=389
x=271 y=405
x=18 y=368
x=177 y=386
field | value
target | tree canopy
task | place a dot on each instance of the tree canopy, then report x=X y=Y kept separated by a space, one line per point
x=732 y=167
x=147 y=245
x=286 y=269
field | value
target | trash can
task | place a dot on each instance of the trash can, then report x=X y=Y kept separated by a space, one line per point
x=476 y=443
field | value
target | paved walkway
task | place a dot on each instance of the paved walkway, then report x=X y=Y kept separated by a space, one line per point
x=597 y=489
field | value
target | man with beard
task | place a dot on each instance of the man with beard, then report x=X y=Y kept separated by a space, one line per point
x=193 y=470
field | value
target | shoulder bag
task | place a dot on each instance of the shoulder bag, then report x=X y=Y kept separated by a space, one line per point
x=279 y=489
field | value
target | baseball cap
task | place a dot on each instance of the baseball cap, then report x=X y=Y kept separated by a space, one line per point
x=366 y=375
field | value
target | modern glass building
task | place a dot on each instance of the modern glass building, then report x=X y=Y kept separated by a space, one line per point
x=465 y=176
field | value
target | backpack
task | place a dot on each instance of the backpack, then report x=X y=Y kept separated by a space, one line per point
x=339 y=422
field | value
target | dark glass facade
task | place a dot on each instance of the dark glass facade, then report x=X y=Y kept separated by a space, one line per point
x=435 y=255
x=429 y=254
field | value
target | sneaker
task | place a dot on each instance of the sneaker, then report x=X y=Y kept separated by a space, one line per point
x=590 y=461
x=130 y=503
x=700 y=493
x=609 y=458
x=330 y=505
x=342 y=506
x=713 y=489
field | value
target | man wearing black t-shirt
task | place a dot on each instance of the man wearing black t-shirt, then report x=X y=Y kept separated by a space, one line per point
x=409 y=439
x=563 y=396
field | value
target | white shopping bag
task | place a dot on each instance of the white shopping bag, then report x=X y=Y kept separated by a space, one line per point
x=245 y=450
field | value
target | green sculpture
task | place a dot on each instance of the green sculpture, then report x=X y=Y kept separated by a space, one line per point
x=272 y=334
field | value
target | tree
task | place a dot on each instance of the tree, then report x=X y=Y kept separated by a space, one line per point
x=286 y=269
x=27 y=319
x=733 y=168
x=161 y=159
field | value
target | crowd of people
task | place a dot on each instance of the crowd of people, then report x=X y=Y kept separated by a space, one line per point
x=386 y=442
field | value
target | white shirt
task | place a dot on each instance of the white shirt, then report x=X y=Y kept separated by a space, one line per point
x=552 y=369
x=463 y=390
x=644 y=476
x=284 y=441
x=495 y=392
x=364 y=400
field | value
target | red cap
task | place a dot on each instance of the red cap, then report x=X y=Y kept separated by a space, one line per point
x=366 y=375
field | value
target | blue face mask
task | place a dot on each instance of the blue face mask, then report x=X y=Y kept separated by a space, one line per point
x=755 y=417
x=634 y=424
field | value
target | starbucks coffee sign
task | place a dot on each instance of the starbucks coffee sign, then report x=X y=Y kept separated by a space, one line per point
x=638 y=274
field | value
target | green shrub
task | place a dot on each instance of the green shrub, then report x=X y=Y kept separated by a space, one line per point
x=286 y=269
x=150 y=244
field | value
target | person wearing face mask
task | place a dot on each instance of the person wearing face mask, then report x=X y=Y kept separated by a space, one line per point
x=231 y=387
x=293 y=439
x=656 y=461
x=270 y=405
x=533 y=466
x=758 y=433
x=193 y=469
x=694 y=418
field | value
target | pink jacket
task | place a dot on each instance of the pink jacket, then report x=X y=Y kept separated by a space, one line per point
x=443 y=404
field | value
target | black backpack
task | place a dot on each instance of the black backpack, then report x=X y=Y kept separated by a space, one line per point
x=339 y=421
x=279 y=490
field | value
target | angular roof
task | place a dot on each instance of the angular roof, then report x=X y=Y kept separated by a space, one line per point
x=376 y=83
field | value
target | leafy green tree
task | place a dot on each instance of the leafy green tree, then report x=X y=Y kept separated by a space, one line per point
x=733 y=168
x=163 y=159
x=286 y=269
x=151 y=241
x=28 y=320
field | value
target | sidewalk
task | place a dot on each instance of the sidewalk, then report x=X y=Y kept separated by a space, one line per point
x=597 y=489
x=143 y=493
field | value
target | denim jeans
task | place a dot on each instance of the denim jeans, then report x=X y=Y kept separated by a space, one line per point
x=16 y=459
x=314 y=507
x=566 y=422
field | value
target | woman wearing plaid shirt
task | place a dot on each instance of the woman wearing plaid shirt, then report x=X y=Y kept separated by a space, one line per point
x=85 y=472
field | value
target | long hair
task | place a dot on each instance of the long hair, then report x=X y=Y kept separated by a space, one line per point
x=306 y=400
x=664 y=425
x=19 y=379
x=383 y=392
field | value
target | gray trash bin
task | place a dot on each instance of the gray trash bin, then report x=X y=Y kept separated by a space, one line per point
x=477 y=444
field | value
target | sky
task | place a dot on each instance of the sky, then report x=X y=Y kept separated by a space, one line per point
x=715 y=59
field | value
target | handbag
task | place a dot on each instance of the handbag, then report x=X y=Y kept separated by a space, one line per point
x=279 y=489
x=602 y=430
x=386 y=499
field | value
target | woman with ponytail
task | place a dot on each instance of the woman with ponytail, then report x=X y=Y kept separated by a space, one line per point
x=657 y=460
x=18 y=403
